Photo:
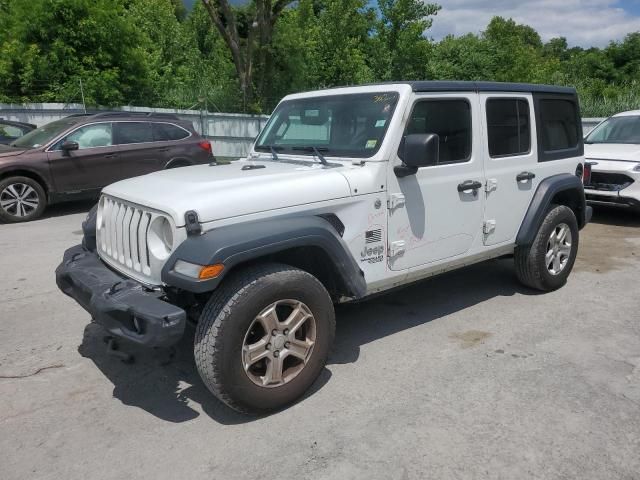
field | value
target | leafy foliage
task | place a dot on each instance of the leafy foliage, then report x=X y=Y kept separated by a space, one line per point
x=155 y=53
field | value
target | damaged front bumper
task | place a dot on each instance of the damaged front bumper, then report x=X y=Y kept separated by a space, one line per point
x=124 y=307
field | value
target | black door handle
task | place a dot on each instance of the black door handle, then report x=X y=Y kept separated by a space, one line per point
x=163 y=149
x=469 y=185
x=525 y=176
x=110 y=155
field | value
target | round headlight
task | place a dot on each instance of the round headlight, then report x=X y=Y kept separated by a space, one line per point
x=160 y=238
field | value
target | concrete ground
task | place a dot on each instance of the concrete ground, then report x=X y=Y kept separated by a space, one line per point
x=467 y=375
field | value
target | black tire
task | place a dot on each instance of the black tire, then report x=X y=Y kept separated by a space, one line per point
x=229 y=314
x=21 y=212
x=530 y=262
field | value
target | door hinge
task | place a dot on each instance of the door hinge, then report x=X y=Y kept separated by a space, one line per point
x=489 y=227
x=491 y=185
x=396 y=200
x=396 y=248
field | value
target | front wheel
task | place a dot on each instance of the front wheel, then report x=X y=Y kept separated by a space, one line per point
x=21 y=199
x=546 y=263
x=264 y=337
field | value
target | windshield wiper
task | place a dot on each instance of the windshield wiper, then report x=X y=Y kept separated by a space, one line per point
x=272 y=150
x=316 y=152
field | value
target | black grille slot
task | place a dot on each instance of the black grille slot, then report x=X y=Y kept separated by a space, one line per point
x=609 y=182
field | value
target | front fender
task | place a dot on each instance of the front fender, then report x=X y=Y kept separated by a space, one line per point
x=235 y=244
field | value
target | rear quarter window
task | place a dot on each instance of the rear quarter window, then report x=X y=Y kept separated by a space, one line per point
x=164 y=132
x=559 y=127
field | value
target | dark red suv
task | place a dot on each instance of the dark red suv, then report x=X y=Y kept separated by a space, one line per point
x=76 y=156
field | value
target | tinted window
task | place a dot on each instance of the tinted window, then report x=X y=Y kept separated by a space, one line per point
x=559 y=124
x=132 y=132
x=163 y=132
x=352 y=125
x=451 y=121
x=10 y=131
x=508 y=127
x=90 y=136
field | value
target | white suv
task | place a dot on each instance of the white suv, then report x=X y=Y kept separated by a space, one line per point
x=346 y=192
x=613 y=151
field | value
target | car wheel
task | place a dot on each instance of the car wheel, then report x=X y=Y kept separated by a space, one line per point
x=546 y=264
x=21 y=199
x=264 y=337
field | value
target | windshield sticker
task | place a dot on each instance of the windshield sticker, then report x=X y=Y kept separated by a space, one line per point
x=380 y=123
x=371 y=144
x=384 y=97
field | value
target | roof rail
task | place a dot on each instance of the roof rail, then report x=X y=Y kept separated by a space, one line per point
x=170 y=116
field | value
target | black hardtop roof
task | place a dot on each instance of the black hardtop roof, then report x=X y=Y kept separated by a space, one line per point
x=460 y=86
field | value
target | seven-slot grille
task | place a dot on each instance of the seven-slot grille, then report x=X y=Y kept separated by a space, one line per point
x=122 y=235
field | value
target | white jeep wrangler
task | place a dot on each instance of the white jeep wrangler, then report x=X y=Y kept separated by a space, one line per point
x=346 y=192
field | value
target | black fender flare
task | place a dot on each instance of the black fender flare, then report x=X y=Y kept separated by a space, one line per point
x=235 y=244
x=542 y=198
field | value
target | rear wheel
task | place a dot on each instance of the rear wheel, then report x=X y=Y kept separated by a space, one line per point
x=546 y=263
x=264 y=337
x=21 y=199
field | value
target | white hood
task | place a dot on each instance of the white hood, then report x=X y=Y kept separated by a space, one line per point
x=612 y=151
x=223 y=191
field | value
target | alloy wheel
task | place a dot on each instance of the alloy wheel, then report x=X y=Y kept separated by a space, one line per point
x=279 y=343
x=19 y=199
x=558 y=249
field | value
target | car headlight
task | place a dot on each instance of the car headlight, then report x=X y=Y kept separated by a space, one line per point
x=160 y=238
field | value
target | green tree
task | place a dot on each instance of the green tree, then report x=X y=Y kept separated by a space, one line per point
x=402 y=49
x=50 y=45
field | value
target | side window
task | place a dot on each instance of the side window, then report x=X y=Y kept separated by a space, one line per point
x=451 y=121
x=559 y=124
x=508 y=127
x=10 y=131
x=132 y=132
x=164 y=132
x=91 y=136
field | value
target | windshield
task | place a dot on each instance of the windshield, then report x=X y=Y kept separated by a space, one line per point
x=43 y=135
x=616 y=130
x=351 y=125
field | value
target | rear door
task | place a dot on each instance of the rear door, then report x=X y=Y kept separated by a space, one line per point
x=94 y=165
x=436 y=214
x=172 y=142
x=138 y=151
x=510 y=163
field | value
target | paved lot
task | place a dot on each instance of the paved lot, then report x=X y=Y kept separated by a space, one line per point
x=467 y=375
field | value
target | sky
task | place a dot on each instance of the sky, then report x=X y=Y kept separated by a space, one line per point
x=585 y=23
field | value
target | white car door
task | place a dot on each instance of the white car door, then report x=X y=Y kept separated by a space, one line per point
x=511 y=160
x=437 y=213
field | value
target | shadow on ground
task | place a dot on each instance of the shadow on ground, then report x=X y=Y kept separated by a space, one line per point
x=168 y=387
x=616 y=217
x=68 y=208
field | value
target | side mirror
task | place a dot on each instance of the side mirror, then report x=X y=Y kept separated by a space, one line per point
x=67 y=146
x=418 y=150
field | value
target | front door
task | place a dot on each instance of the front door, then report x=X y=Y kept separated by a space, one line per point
x=510 y=163
x=436 y=214
x=94 y=165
